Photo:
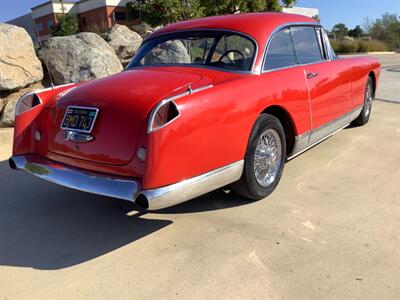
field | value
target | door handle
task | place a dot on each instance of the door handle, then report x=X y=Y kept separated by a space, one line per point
x=312 y=75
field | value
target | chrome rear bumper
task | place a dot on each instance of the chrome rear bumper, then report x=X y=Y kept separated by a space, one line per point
x=126 y=188
x=75 y=178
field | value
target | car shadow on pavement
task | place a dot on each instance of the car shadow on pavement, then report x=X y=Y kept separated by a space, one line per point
x=219 y=199
x=45 y=226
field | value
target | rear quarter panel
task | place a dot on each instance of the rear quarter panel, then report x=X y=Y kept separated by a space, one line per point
x=360 y=68
x=215 y=125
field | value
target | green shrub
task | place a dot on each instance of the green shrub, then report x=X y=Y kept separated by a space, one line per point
x=357 y=46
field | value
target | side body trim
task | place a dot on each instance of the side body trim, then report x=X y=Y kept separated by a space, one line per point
x=129 y=189
x=190 y=188
x=311 y=138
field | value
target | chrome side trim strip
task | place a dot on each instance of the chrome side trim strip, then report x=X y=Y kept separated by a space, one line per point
x=315 y=143
x=356 y=112
x=311 y=138
x=78 y=179
x=190 y=188
x=127 y=188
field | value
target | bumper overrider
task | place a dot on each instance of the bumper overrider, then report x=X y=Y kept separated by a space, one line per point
x=126 y=188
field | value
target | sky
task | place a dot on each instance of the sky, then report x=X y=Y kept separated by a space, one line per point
x=349 y=12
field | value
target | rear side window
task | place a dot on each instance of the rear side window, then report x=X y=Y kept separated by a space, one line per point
x=306 y=44
x=280 y=51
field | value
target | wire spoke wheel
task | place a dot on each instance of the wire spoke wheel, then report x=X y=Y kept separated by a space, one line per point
x=368 y=100
x=267 y=157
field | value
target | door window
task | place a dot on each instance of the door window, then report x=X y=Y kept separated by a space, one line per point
x=280 y=51
x=306 y=44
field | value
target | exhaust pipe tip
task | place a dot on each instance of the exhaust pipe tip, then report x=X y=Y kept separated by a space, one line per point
x=12 y=163
x=142 y=202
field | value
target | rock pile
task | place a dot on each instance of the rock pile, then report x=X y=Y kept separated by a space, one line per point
x=19 y=69
x=80 y=57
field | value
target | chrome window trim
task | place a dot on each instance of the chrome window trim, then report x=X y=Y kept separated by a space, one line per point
x=293 y=49
x=275 y=31
x=319 y=47
x=321 y=43
x=193 y=66
x=154 y=36
x=172 y=99
x=328 y=46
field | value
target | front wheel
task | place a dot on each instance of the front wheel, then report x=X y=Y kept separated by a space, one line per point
x=264 y=160
x=363 y=118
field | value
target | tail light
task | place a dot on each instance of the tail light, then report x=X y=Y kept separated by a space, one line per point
x=27 y=102
x=163 y=114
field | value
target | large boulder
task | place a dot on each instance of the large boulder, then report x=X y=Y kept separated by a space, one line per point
x=169 y=52
x=19 y=66
x=142 y=29
x=2 y=105
x=124 y=41
x=81 y=57
x=10 y=101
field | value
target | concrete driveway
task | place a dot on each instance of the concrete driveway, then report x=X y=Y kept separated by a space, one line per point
x=331 y=230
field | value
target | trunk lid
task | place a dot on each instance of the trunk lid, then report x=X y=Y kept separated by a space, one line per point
x=124 y=102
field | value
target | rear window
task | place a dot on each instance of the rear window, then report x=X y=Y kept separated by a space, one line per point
x=219 y=49
x=280 y=51
x=306 y=44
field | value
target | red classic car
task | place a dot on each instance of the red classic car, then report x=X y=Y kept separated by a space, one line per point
x=203 y=104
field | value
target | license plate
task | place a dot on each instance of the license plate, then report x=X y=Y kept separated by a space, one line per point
x=79 y=118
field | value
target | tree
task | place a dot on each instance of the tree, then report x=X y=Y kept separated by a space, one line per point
x=357 y=32
x=367 y=25
x=387 y=30
x=273 y=5
x=288 y=3
x=340 y=30
x=162 y=12
x=225 y=7
x=66 y=25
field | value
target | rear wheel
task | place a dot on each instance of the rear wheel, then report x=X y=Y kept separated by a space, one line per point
x=264 y=160
x=363 y=118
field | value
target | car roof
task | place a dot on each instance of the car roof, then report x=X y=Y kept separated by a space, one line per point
x=257 y=25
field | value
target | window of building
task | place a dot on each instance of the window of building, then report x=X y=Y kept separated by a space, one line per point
x=306 y=44
x=119 y=16
x=39 y=26
x=50 y=24
x=280 y=51
x=84 y=21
